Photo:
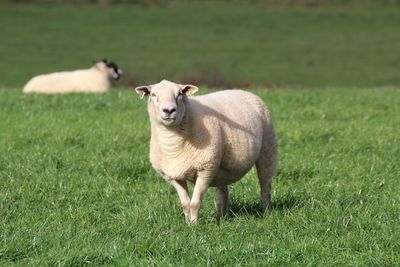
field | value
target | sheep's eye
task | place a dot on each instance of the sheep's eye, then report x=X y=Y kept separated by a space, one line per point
x=180 y=93
x=153 y=94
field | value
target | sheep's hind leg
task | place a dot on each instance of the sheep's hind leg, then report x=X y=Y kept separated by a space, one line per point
x=182 y=190
x=222 y=200
x=266 y=167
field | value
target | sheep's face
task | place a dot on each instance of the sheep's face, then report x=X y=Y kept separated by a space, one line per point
x=109 y=67
x=167 y=101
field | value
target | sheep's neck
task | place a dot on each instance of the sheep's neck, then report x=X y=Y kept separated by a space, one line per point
x=171 y=141
x=102 y=77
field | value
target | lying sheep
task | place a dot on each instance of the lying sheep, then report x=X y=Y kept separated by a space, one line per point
x=97 y=79
x=211 y=140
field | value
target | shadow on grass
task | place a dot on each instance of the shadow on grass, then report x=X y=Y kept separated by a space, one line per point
x=256 y=209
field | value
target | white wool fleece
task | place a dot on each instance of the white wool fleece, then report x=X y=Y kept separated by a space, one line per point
x=211 y=140
x=93 y=80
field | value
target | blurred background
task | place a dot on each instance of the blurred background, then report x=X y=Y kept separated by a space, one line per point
x=266 y=43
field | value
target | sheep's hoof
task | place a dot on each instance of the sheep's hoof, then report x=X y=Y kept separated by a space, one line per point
x=267 y=208
x=192 y=222
x=187 y=219
x=222 y=217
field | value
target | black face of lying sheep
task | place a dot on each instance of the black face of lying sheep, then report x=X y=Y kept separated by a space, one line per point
x=117 y=72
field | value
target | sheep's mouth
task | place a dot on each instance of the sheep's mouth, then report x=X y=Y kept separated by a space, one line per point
x=117 y=77
x=168 y=120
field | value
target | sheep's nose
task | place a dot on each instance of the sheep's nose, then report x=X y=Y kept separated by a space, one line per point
x=169 y=111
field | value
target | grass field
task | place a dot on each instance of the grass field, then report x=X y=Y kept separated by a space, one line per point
x=76 y=187
x=212 y=44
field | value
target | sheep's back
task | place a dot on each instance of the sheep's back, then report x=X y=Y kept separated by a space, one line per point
x=68 y=81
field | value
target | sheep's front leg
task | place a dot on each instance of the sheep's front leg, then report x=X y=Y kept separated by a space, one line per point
x=222 y=200
x=199 y=190
x=182 y=190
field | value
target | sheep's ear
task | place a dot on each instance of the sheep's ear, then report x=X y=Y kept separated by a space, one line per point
x=143 y=91
x=189 y=89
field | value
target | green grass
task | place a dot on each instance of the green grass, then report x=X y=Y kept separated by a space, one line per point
x=214 y=44
x=76 y=187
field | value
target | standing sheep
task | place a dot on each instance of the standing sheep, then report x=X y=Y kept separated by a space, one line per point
x=97 y=79
x=211 y=140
